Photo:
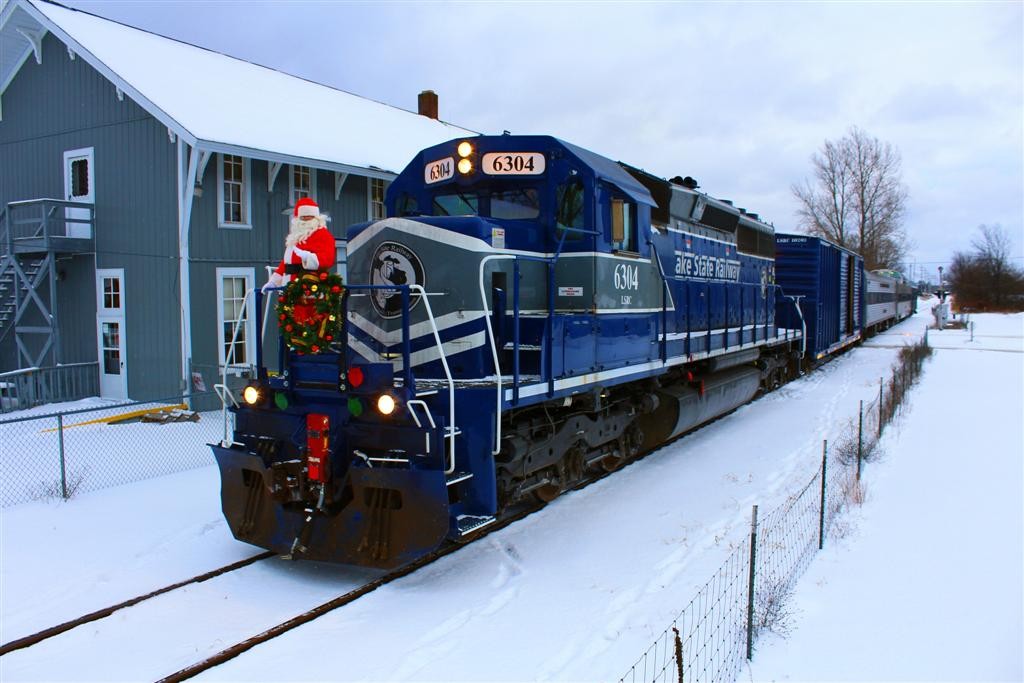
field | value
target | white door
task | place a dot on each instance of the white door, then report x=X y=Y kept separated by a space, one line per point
x=110 y=333
x=78 y=187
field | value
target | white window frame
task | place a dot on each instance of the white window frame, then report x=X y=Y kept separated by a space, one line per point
x=369 y=198
x=246 y=223
x=88 y=153
x=291 y=183
x=101 y=299
x=250 y=318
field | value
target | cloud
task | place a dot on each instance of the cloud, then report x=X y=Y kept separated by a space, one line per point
x=737 y=94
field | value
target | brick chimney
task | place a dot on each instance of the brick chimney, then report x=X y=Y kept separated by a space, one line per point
x=428 y=104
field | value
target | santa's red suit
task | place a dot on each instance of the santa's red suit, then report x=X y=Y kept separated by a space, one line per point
x=309 y=245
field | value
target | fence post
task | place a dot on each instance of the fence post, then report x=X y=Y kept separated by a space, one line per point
x=679 y=653
x=63 y=471
x=824 y=473
x=860 y=438
x=750 y=587
x=880 y=385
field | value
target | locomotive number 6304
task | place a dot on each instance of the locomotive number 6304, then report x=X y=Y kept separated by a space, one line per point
x=513 y=163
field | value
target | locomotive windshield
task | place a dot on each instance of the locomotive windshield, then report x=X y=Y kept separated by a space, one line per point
x=521 y=203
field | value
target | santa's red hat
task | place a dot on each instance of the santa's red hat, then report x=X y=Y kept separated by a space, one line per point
x=306 y=207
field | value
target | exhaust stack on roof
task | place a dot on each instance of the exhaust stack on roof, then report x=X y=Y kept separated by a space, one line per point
x=428 y=104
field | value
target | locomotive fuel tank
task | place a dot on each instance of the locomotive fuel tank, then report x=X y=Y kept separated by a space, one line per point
x=685 y=406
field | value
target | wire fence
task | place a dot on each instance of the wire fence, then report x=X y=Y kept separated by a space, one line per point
x=62 y=454
x=715 y=633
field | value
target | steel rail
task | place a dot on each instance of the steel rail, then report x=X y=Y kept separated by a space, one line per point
x=45 y=634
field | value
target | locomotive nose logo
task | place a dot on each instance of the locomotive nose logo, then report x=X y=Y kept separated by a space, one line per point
x=394 y=264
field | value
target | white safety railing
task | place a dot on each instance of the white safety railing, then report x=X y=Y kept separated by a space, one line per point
x=223 y=392
x=494 y=346
x=451 y=430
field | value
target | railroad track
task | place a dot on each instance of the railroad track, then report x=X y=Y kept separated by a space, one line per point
x=519 y=513
x=309 y=615
x=47 y=633
x=345 y=599
x=27 y=644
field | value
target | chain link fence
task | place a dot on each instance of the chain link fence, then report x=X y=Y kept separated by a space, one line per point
x=62 y=454
x=715 y=633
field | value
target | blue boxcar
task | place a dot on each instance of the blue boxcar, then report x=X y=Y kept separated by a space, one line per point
x=829 y=282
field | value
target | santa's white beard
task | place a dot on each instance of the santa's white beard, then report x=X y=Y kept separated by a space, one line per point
x=299 y=230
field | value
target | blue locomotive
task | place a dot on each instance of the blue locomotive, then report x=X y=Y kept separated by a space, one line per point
x=530 y=313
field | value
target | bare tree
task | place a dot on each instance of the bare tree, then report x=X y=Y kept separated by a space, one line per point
x=857 y=198
x=986 y=279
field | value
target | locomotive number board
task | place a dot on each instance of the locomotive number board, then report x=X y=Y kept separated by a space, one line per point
x=513 y=163
x=439 y=170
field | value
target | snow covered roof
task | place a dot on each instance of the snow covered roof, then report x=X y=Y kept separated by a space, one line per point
x=222 y=104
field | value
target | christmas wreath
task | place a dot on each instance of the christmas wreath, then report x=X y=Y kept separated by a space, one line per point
x=309 y=311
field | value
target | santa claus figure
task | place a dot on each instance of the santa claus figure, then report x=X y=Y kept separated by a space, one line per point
x=309 y=245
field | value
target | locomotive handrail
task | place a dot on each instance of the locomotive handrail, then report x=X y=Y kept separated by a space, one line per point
x=742 y=285
x=222 y=389
x=266 y=308
x=407 y=353
x=795 y=298
x=515 y=330
x=430 y=418
x=663 y=343
x=447 y=373
x=494 y=347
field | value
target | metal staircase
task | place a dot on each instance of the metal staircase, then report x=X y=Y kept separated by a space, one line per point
x=9 y=299
x=32 y=234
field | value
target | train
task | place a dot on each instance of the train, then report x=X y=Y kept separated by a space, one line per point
x=529 y=315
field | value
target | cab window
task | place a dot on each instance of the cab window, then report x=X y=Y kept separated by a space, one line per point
x=569 y=208
x=459 y=204
x=407 y=205
x=518 y=204
x=623 y=225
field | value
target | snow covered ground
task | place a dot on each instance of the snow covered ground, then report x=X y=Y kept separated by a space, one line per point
x=927 y=586
x=581 y=589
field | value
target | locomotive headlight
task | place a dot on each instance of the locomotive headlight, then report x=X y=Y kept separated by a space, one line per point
x=251 y=394
x=465 y=166
x=465 y=149
x=386 y=404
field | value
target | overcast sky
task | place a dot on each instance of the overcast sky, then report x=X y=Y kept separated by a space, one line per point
x=737 y=95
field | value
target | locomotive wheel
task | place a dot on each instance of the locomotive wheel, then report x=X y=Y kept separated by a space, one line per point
x=610 y=463
x=547 y=493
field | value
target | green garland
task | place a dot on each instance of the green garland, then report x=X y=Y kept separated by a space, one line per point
x=321 y=291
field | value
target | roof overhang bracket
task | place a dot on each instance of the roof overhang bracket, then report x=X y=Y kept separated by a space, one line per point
x=204 y=159
x=274 y=168
x=120 y=94
x=71 y=54
x=35 y=37
x=339 y=182
x=171 y=136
